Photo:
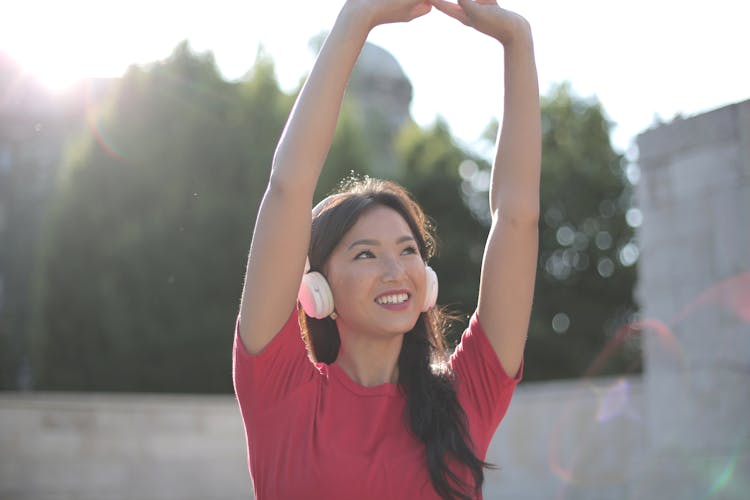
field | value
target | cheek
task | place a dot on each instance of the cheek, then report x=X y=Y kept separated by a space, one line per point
x=418 y=274
x=348 y=286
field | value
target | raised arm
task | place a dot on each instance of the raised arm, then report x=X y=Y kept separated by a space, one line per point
x=282 y=229
x=509 y=265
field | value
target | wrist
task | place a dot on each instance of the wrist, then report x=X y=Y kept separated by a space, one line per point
x=358 y=16
x=517 y=32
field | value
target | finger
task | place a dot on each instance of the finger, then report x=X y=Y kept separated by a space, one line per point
x=453 y=10
x=420 y=10
x=467 y=5
x=476 y=10
x=470 y=7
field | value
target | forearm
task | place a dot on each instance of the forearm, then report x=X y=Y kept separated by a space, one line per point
x=309 y=131
x=516 y=171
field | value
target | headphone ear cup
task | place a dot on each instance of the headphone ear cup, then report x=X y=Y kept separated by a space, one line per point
x=315 y=295
x=431 y=289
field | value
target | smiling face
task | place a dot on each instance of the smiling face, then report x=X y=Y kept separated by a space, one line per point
x=377 y=275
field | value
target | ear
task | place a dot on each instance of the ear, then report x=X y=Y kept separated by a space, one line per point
x=431 y=289
x=315 y=295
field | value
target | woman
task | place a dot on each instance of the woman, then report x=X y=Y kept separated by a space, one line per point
x=379 y=412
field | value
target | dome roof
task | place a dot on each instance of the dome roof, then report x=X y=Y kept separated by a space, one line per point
x=377 y=60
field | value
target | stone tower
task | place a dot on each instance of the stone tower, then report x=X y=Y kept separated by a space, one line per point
x=381 y=95
x=694 y=287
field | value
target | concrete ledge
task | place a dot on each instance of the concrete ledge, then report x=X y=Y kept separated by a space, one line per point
x=708 y=129
x=169 y=447
x=121 y=446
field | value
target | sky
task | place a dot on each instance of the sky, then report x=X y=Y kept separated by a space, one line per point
x=645 y=60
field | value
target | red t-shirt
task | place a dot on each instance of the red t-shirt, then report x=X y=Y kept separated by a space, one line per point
x=314 y=433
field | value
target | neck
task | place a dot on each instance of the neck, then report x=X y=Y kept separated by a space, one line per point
x=370 y=362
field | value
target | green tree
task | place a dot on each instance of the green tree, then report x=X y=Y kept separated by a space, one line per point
x=586 y=273
x=145 y=248
x=430 y=171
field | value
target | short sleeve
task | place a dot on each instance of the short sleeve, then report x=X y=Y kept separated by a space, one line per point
x=262 y=380
x=483 y=387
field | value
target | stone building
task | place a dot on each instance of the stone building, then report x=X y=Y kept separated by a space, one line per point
x=380 y=94
x=695 y=279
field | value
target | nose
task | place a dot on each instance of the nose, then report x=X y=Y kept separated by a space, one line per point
x=393 y=269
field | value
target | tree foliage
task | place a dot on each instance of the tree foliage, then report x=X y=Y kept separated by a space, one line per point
x=430 y=172
x=33 y=125
x=147 y=241
x=585 y=279
x=139 y=280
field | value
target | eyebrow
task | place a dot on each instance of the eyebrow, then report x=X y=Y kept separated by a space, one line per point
x=377 y=243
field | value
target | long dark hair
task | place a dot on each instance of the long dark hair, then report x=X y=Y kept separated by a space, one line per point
x=434 y=414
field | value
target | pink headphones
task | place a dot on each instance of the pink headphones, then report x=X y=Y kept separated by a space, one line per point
x=317 y=299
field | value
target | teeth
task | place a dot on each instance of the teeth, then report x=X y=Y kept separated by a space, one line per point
x=393 y=299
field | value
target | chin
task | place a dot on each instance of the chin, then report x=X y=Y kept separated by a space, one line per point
x=400 y=325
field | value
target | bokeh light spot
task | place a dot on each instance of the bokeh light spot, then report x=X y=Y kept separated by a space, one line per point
x=556 y=265
x=467 y=169
x=633 y=173
x=634 y=217
x=560 y=322
x=566 y=236
x=629 y=254
x=480 y=181
x=605 y=267
x=603 y=240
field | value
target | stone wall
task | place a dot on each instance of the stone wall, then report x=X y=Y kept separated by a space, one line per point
x=67 y=446
x=576 y=438
x=569 y=440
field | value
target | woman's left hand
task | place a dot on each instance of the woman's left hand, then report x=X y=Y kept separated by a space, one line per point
x=390 y=11
x=487 y=17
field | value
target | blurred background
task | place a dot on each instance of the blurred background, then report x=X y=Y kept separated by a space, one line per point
x=136 y=143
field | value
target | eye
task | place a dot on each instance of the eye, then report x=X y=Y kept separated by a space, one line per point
x=411 y=249
x=364 y=254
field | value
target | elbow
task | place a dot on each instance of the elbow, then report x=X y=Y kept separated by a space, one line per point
x=278 y=183
x=519 y=215
x=530 y=221
x=283 y=183
x=281 y=191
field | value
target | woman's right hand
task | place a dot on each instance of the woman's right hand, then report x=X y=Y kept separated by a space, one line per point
x=487 y=17
x=379 y=12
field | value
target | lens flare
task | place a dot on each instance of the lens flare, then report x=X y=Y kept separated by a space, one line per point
x=726 y=476
x=661 y=329
x=613 y=402
x=732 y=294
x=614 y=410
x=94 y=123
